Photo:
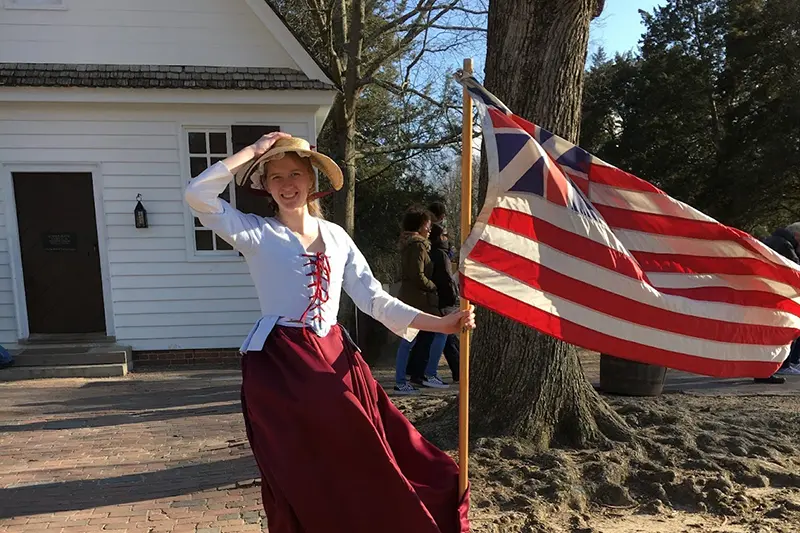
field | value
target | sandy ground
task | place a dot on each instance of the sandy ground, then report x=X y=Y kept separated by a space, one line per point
x=700 y=464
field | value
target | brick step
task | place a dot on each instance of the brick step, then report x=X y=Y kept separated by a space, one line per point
x=18 y=373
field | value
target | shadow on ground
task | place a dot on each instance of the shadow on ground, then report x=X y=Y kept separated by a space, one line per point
x=87 y=494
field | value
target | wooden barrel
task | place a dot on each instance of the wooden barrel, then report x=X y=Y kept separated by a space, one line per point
x=630 y=378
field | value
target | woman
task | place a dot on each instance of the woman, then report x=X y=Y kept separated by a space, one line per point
x=427 y=348
x=417 y=290
x=335 y=455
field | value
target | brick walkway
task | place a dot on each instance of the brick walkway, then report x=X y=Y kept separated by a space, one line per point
x=153 y=453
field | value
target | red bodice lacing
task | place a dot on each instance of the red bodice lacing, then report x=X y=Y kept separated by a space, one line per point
x=320 y=279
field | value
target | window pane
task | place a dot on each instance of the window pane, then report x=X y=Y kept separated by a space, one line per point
x=215 y=159
x=218 y=142
x=222 y=245
x=197 y=165
x=197 y=223
x=197 y=142
x=203 y=240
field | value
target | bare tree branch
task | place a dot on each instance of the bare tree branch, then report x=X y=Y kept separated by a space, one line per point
x=392 y=24
x=471 y=11
x=400 y=91
x=393 y=163
x=407 y=39
x=412 y=146
x=324 y=21
x=458 y=28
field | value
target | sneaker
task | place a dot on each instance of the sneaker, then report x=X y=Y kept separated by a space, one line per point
x=434 y=382
x=405 y=389
x=789 y=371
x=776 y=380
x=6 y=364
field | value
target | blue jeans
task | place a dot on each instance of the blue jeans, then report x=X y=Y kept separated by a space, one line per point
x=794 y=355
x=437 y=347
x=401 y=360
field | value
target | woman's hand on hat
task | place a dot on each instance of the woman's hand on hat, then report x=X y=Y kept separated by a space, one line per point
x=266 y=142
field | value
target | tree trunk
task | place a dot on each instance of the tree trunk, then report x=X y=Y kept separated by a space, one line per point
x=344 y=117
x=535 y=65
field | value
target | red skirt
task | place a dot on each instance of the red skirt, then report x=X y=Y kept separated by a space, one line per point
x=335 y=455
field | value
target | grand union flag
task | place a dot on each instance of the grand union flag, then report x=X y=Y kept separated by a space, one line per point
x=583 y=251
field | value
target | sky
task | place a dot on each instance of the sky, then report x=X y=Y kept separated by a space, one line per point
x=619 y=28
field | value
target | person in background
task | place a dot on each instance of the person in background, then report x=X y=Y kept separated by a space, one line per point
x=427 y=351
x=447 y=289
x=786 y=241
x=439 y=212
x=417 y=290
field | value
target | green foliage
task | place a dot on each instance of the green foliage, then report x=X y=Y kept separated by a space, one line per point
x=708 y=109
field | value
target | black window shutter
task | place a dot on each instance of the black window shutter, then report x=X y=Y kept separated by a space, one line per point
x=241 y=137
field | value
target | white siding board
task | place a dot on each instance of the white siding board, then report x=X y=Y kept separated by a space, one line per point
x=87 y=154
x=166 y=256
x=74 y=141
x=173 y=281
x=182 y=293
x=44 y=126
x=164 y=194
x=178 y=32
x=141 y=182
x=188 y=319
x=154 y=219
x=152 y=206
x=188 y=307
x=219 y=269
x=151 y=243
x=202 y=331
x=128 y=231
x=144 y=168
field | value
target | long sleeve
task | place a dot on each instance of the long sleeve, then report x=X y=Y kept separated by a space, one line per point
x=240 y=230
x=414 y=259
x=369 y=296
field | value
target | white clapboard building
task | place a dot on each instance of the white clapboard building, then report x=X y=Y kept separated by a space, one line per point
x=106 y=101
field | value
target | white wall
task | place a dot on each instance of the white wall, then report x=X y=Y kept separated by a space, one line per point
x=141 y=32
x=163 y=298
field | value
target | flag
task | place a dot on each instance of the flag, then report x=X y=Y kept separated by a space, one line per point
x=592 y=255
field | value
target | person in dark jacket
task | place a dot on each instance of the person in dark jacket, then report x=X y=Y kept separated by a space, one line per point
x=428 y=349
x=417 y=290
x=786 y=241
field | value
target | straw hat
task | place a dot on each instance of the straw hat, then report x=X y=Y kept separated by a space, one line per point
x=252 y=173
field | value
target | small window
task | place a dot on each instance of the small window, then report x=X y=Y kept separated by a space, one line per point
x=206 y=147
x=35 y=4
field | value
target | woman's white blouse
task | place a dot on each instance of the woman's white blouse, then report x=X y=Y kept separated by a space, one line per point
x=294 y=288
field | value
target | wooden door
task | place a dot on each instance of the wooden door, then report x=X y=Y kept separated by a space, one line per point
x=60 y=255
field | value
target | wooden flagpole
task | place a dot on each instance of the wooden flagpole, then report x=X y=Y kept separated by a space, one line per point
x=466 y=225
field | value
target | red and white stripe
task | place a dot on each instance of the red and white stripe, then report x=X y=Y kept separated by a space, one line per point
x=654 y=280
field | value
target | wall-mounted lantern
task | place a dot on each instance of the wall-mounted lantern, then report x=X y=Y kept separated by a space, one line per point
x=140 y=213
